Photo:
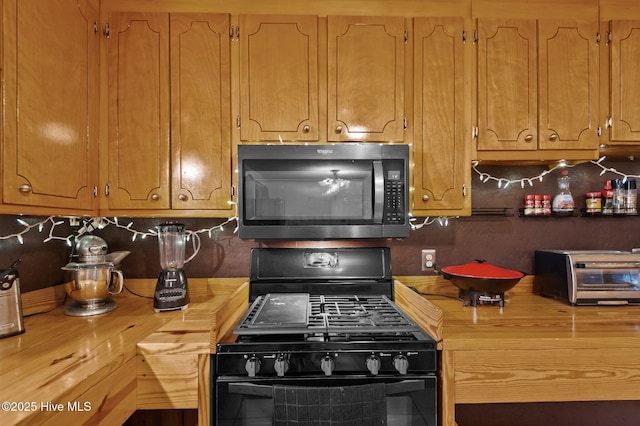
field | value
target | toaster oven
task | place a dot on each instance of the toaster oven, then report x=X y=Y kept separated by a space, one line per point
x=588 y=277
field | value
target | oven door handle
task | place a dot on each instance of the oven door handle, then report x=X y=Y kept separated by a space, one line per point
x=378 y=191
x=266 y=391
x=403 y=387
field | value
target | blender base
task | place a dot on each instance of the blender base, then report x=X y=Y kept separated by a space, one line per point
x=172 y=292
x=89 y=308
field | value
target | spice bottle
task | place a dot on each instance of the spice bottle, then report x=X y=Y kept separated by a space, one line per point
x=546 y=204
x=594 y=202
x=563 y=201
x=607 y=195
x=618 y=196
x=529 y=205
x=631 y=197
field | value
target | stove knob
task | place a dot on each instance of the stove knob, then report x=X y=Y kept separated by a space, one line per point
x=401 y=363
x=253 y=366
x=373 y=364
x=327 y=364
x=281 y=365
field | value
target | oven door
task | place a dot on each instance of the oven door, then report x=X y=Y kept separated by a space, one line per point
x=392 y=400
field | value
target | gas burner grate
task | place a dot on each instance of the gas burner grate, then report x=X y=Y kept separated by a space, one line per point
x=339 y=314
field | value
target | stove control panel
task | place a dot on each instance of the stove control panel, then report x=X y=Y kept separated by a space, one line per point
x=296 y=363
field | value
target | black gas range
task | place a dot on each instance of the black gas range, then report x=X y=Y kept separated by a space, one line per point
x=323 y=322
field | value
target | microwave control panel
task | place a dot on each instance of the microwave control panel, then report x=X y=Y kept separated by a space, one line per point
x=394 y=193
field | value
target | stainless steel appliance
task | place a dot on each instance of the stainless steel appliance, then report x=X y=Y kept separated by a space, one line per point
x=588 y=277
x=172 y=291
x=92 y=281
x=329 y=191
x=11 y=320
x=323 y=340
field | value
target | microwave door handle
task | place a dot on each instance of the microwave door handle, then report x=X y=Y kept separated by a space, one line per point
x=378 y=191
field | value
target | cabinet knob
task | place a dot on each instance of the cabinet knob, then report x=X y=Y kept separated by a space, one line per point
x=25 y=189
x=425 y=197
x=553 y=137
x=182 y=197
x=306 y=128
x=338 y=129
x=528 y=138
x=155 y=197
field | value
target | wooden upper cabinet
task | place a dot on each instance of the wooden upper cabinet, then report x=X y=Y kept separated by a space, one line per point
x=365 y=86
x=507 y=85
x=538 y=87
x=50 y=103
x=278 y=77
x=443 y=65
x=568 y=67
x=625 y=80
x=138 y=123
x=200 y=112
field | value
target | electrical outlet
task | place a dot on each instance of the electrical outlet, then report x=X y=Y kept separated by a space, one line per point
x=428 y=259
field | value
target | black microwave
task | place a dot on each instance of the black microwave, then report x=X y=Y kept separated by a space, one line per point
x=323 y=191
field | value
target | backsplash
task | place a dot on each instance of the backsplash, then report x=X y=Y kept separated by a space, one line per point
x=508 y=241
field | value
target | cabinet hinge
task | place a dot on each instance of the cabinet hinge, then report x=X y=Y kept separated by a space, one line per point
x=233 y=191
x=475 y=36
x=405 y=123
x=609 y=38
x=238 y=122
x=406 y=36
x=608 y=123
x=464 y=190
x=95 y=26
x=106 y=190
x=598 y=38
x=464 y=36
x=107 y=30
x=95 y=191
x=475 y=131
x=599 y=131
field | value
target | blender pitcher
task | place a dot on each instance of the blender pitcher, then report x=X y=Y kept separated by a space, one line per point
x=171 y=241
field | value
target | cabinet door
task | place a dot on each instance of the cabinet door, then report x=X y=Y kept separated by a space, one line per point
x=278 y=77
x=50 y=106
x=442 y=114
x=625 y=80
x=507 y=86
x=138 y=68
x=568 y=61
x=200 y=112
x=365 y=78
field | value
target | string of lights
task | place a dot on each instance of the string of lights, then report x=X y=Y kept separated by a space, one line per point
x=89 y=225
x=503 y=182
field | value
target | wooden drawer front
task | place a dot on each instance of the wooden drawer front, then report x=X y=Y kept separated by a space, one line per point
x=110 y=402
x=167 y=381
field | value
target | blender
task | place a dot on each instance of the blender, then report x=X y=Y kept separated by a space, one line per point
x=171 y=291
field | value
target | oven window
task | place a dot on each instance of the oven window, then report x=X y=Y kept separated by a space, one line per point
x=299 y=190
x=403 y=402
x=609 y=279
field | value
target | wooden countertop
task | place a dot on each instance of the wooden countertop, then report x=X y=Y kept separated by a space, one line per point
x=61 y=361
x=527 y=321
x=534 y=349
